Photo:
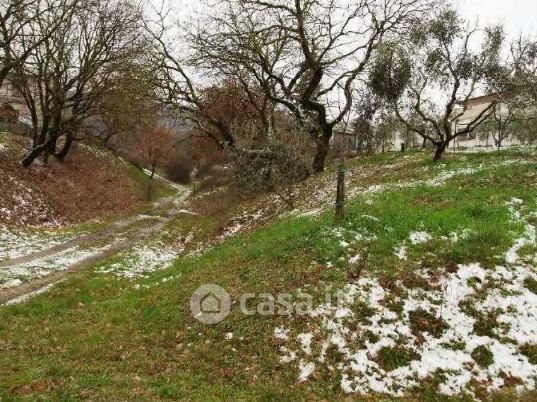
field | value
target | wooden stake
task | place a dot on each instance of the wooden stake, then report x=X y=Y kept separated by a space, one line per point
x=340 y=197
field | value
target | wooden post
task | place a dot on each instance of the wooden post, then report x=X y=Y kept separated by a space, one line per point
x=340 y=197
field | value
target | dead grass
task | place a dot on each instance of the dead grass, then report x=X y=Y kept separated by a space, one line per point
x=87 y=185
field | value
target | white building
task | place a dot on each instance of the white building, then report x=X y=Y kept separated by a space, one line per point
x=484 y=135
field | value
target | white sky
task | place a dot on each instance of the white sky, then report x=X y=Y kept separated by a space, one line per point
x=519 y=16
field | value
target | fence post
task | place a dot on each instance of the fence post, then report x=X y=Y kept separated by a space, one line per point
x=340 y=196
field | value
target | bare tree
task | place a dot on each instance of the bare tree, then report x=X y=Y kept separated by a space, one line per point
x=63 y=77
x=16 y=20
x=305 y=55
x=433 y=76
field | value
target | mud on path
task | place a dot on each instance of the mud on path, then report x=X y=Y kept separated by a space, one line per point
x=118 y=236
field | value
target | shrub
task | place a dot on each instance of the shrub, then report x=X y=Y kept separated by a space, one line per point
x=273 y=170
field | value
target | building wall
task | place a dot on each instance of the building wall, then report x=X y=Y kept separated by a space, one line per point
x=473 y=140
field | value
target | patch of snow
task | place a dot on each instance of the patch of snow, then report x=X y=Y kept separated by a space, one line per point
x=41 y=267
x=529 y=236
x=24 y=206
x=500 y=289
x=305 y=342
x=16 y=243
x=11 y=284
x=419 y=237
x=455 y=237
x=446 y=175
x=306 y=369
x=355 y=259
x=400 y=253
x=281 y=333
x=167 y=181
x=143 y=259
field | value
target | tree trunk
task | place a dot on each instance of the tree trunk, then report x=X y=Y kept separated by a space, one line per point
x=51 y=148
x=439 y=152
x=322 y=147
x=66 y=147
x=35 y=152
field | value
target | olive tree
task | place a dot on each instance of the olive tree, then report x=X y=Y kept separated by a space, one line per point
x=430 y=79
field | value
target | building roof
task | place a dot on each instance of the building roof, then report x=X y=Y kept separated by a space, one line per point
x=481 y=100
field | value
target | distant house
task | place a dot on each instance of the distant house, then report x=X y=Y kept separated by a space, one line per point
x=345 y=142
x=483 y=136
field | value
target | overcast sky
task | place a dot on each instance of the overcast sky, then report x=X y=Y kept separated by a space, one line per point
x=517 y=15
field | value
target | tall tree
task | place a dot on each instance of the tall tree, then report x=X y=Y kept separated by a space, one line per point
x=128 y=102
x=64 y=75
x=305 y=55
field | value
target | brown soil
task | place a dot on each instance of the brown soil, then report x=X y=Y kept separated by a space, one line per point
x=90 y=183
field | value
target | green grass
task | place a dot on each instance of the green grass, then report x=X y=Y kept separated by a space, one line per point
x=482 y=356
x=392 y=358
x=530 y=351
x=96 y=337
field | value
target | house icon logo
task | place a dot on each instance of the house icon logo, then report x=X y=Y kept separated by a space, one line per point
x=210 y=304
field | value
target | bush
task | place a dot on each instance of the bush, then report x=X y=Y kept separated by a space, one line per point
x=274 y=170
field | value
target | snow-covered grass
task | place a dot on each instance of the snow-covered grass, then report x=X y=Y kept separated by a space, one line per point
x=15 y=242
x=140 y=261
x=447 y=314
x=15 y=275
x=388 y=342
x=465 y=328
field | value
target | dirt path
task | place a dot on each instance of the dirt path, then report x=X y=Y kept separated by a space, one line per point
x=129 y=231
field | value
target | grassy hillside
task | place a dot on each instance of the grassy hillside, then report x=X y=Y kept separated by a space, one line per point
x=432 y=260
